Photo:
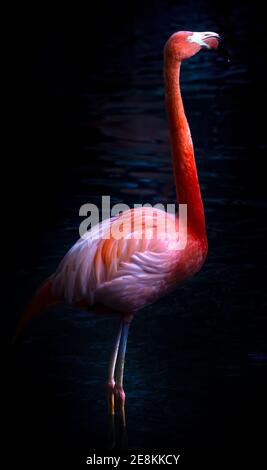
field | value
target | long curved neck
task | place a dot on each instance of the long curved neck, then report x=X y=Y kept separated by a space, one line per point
x=186 y=179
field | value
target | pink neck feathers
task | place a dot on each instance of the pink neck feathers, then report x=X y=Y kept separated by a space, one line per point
x=186 y=179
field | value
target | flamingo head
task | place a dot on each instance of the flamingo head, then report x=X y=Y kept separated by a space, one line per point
x=185 y=44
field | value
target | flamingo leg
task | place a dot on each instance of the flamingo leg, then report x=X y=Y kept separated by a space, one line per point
x=120 y=369
x=111 y=370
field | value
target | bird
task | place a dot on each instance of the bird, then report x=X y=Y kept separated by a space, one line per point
x=104 y=273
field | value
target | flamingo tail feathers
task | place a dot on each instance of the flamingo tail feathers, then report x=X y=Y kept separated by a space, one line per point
x=42 y=299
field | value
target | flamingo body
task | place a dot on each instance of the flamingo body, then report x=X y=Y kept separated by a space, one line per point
x=128 y=273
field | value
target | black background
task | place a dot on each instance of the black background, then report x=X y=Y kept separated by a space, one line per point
x=53 y=59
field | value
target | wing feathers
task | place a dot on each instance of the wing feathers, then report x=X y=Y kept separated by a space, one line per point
x=114 y=267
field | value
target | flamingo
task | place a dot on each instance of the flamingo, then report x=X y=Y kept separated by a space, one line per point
x=106 y=274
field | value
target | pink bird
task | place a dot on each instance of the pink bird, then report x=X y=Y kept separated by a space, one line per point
x=122 y=275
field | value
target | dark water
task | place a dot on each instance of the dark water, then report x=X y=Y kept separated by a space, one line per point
x=85 y=118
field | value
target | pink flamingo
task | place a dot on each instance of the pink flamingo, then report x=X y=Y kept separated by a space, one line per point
x=123 y=275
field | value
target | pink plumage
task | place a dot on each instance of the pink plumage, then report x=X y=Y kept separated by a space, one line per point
x=127 y=273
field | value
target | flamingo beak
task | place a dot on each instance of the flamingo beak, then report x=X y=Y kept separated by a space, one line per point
x=210 y=40
x=214 y=41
